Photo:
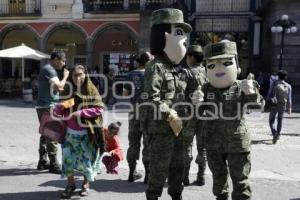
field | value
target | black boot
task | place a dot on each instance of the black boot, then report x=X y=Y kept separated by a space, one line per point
x=54 y=166
x=152 y=198
x=200 y=181
x=176 y=197
x=133 y=174
x=146 y=174
x=186 y=180
x=222 y=197
x=43 y=165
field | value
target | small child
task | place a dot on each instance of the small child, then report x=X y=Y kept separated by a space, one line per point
x=113 y=149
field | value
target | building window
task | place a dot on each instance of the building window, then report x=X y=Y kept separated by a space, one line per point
x=222 y=24
x=222 y=5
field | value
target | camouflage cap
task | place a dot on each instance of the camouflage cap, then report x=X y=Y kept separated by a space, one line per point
x=169 y=16
x=223 y=49
x=194 y=49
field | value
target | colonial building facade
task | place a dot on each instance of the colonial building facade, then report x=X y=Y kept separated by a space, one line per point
x=249 y=22
x=103 y=33
x=106 y=33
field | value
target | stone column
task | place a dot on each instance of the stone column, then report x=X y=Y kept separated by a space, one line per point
x=42 y=46
x=89 y=52
x=144 y=37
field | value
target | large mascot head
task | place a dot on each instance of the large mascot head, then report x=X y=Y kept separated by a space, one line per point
x=221 y=63
x=168 y=34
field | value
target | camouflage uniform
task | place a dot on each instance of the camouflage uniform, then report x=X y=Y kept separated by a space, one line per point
x=135 y=133
x=166 y=150
x=164 y=88
x=227 y=140
x=194 y=127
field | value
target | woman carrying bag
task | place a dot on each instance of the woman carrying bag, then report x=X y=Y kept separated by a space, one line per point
x=80 y=150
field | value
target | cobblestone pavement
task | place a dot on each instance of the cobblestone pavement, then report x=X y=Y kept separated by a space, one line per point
x=275 y=168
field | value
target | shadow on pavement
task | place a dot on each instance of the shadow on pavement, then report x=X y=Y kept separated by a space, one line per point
x=16 y=103
x=295 y=199
x=103 y=185
x=119 y=186
x=45 y=195
x=267 y=142
x=291 y=134
x=20 y=172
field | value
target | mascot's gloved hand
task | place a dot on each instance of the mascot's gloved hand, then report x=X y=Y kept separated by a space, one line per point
x=247 y=85
x=174 y=122
x=198 y=96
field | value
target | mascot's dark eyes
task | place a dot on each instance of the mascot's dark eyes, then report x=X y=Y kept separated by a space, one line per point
x=178 y=31
x=227 y=63
x=211 y=66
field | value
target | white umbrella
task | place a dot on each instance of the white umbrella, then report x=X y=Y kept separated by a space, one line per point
x=23 y=52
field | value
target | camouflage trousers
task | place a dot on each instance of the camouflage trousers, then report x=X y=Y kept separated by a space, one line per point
x=135 y=136
x=239 y=167
x=188 y=132
x=46 y=146
x=166 y=162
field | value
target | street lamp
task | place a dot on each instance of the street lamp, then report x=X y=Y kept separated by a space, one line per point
x=283 y=25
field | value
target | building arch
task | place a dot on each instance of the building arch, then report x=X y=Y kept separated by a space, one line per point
x=65 y=25
x=113 y=25
x=114 y=45
x=17 y=26
x=69 y=37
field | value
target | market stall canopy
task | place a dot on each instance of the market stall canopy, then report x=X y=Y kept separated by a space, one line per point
x=24 y=52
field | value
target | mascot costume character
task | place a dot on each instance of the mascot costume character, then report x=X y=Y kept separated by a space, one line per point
x=164 y=89
x=227 y=140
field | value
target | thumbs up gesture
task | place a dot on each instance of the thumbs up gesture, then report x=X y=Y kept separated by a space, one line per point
x=247 y=85
x=198 y=96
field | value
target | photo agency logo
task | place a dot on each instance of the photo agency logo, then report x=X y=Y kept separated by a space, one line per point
x=186 y=109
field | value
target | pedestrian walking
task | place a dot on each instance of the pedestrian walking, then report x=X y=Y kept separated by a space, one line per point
x=81 y=148
x=49 y=87
x=135 y=134
x=164 y=89
x=194 y=126
x=281 y=98
x=227 y=140
x=113 y=148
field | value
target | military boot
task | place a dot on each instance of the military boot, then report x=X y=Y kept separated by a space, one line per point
x=146 y=174
x=43 y=164
x=222 y=197
x=54 y=166
x=186 y=180
x=200 y=181
x=133 y=174
x=152 y=198
x=176 y=197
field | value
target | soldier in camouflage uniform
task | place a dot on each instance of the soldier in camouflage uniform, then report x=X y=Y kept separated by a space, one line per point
x=192 y=128
x=164 y=89
x=135 y=134
x=227 y=140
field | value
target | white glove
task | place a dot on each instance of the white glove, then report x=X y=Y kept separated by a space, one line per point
x=198 y=96
x=247 y=85
x=175 y=122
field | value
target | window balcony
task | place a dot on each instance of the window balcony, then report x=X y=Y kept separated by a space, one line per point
x=20 y=8
x=102 y=6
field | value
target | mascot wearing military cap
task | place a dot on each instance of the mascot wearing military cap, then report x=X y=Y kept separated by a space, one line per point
x=227 y=140
x=164 y=89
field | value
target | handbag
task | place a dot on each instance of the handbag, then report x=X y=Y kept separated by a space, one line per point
x=52 y=128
